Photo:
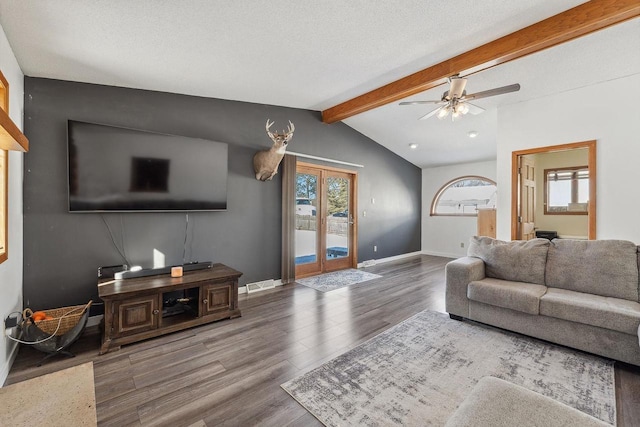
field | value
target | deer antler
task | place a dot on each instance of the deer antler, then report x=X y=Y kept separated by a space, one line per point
x=291 y=128
x=267 y=126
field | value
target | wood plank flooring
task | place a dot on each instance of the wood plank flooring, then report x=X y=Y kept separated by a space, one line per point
x=229 y=373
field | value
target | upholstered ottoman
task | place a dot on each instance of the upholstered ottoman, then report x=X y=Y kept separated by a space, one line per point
x=494 y=403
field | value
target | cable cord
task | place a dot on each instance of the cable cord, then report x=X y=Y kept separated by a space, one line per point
x=113 y=240
x=184 y=244
x=124 y=247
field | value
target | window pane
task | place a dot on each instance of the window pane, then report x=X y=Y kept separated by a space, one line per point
x=567 y=190
x=559 y=193
x=583 y=190
x=465 y=196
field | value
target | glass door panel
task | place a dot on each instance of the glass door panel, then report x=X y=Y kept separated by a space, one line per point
x=307 y=234
x=337 y=217
x=339 y=223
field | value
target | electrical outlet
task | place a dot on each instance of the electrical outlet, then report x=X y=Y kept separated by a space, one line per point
x=375 y=248
x=462 y=244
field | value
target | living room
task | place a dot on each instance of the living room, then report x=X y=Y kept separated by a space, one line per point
x=54 y=254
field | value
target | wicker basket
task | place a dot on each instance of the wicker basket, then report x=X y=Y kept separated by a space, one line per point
x=70 y=317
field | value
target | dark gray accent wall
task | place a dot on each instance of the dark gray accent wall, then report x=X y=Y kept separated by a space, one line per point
x=62 y=251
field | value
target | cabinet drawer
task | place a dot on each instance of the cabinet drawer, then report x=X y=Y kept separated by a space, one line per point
x=136 y=315
x=218 y=297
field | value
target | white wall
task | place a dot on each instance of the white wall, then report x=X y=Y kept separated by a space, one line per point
x=11 y=269
x=607 y=112
x=442 y=235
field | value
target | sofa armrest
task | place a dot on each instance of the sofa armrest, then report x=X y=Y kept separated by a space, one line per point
x=459 y=273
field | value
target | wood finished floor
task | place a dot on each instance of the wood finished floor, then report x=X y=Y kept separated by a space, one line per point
x=229 y=373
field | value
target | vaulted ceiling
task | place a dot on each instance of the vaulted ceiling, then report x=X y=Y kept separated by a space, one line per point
x=314 y=55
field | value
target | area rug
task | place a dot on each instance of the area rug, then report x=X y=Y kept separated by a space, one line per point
x=337 y=279
x=418 y=372
x=63 y=398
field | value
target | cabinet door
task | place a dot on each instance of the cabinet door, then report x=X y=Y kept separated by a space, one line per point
x=136 y=315
x=218 y=297
x=487 y=222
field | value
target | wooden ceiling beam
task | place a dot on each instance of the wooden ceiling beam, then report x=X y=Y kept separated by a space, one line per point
x=581 y=20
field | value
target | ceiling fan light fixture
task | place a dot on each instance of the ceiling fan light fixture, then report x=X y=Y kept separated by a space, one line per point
x=456 y=100
x=444 y=112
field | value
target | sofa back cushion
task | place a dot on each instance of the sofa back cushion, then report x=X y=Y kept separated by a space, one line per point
x=518 y=261
x=601 y=267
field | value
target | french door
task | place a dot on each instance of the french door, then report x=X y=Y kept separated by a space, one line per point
x=326 y=228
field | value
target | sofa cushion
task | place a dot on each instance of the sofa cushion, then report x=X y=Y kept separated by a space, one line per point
x=518 y=296
x=520 y=261
x=604 y=312
x=494 y=402
x=608 y=268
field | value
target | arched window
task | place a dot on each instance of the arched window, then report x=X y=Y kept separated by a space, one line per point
x=463 y=196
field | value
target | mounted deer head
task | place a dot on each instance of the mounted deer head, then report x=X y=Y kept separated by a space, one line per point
x=266 y=162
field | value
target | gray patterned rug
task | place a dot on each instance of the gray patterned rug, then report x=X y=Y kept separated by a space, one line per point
x=419 y=371
x=337 y=279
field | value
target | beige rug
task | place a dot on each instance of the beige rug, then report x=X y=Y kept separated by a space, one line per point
x=64 y=398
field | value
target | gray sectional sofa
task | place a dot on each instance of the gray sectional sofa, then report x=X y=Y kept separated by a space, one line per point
x=578 y=293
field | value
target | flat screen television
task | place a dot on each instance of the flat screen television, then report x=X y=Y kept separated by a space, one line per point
x=114 y=169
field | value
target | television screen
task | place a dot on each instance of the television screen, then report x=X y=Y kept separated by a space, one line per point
x=118 y=169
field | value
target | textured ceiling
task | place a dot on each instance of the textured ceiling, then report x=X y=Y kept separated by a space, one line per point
x=300 y=54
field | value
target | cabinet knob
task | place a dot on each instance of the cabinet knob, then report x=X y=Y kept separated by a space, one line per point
x=156 y=311
x=205 y=301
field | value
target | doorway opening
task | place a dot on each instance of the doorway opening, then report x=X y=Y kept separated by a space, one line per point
x=535 y=198
x=326 y=224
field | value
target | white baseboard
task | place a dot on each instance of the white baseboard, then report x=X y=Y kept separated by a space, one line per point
x=442 y=254
x=243 y=289
x=9 y=363
x=392 y=258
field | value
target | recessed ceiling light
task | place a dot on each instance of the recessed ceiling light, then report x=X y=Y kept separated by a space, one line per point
x=413 y=146
x=472 y=134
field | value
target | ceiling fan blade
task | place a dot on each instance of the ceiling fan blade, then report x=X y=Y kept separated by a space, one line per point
x=431 y=113
x=494 y=92
x=457 y=87
x=419 y=102
x=474 y=109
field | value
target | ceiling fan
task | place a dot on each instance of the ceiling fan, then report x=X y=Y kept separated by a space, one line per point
x=455 y=101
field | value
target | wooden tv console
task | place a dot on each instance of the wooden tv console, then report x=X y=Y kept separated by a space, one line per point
x=145 y=307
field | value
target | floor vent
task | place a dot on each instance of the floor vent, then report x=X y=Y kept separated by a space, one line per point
x=369 y=263
x=260 y=286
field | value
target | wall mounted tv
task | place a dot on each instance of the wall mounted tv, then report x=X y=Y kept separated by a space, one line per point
x=119 y=170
